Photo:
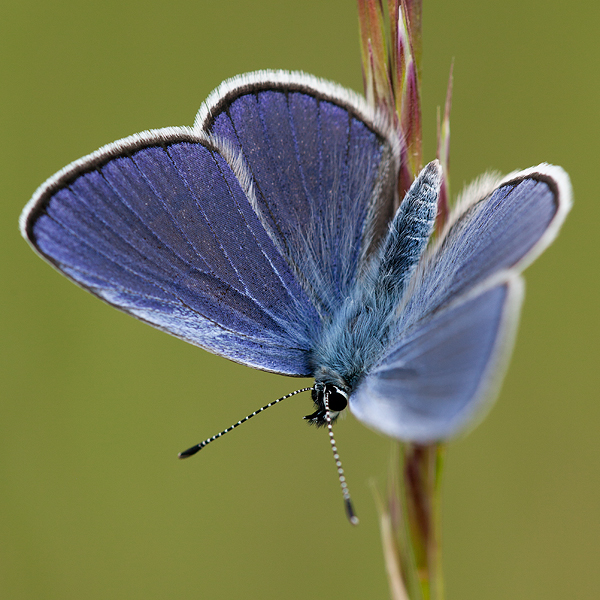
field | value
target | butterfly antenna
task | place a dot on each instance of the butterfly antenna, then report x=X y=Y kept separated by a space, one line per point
x=191 y=451
x=338 y=463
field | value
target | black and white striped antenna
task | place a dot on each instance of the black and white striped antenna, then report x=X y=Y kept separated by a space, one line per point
x=338 y=463
x=347 y=501
x=191 y=451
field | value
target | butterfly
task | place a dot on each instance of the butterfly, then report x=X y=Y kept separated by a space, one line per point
x=271 y=233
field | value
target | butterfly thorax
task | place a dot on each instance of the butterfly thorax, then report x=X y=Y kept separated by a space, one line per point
x=358 y=335
x=365 y=325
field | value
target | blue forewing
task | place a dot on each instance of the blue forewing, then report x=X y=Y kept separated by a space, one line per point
x=266 y=234
x=457 y=321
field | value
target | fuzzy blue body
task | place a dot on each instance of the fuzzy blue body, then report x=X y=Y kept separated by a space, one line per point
x=361 y=330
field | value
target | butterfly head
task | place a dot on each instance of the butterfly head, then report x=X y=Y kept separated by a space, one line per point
x=337 y=400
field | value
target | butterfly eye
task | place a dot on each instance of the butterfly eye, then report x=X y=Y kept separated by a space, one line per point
x=338 y=399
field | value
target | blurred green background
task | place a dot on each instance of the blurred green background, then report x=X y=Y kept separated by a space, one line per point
x=95 y=406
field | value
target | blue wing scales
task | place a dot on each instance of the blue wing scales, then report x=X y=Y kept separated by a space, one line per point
x=242 y=240
x=505 y=228
x=162 y=229
x=439 y=374
x=324 y=168
x=458 y=318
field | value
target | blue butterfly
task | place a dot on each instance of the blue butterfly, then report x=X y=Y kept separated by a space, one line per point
x=271 y=233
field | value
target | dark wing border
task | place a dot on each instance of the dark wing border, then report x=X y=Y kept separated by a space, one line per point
x=322 y=89
x=124 y=147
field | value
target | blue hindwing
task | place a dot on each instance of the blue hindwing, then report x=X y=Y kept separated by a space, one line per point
x=456 y=322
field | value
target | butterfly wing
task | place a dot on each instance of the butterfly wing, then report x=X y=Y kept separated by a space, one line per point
x=505 y=225
x=225 y=240
x=435 y=377
x=458 y=321
x=161 y=225
x=324 y=169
